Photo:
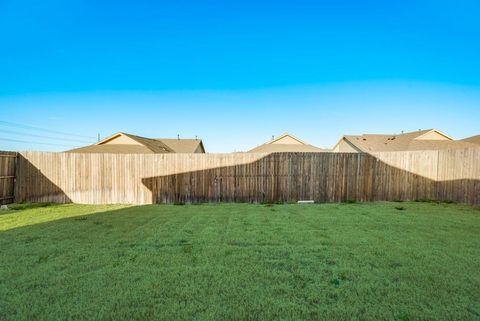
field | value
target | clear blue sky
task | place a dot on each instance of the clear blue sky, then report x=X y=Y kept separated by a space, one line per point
x=236 y=73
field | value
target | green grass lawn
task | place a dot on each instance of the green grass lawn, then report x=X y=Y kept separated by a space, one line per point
x=380 y=261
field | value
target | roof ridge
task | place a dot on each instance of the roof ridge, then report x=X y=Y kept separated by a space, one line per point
x=139 y=139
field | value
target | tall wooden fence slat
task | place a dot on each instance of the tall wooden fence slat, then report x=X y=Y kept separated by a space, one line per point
x=7 y=176
x=452 y=175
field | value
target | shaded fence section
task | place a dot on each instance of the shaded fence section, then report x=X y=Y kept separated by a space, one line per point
x=243 y=177
x=7 y=176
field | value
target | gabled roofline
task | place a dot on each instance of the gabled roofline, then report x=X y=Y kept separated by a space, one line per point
x=338 y=143
x=203 y=147
x=435 y=131
x=285 y=135
x=133 y=137
x=345 y=138
x=351 y=141
x=109 y=138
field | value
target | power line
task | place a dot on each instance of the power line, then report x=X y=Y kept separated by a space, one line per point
x=6 y=123
x=35 y=143
x=42 y=136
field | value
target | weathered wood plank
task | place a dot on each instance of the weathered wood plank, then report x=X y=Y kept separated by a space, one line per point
x=7 y=176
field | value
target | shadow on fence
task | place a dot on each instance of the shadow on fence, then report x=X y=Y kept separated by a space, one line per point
x=281 y=177
x=33 y=186
x=341 y=178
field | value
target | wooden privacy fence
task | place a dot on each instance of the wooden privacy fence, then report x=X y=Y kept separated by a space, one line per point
x=7 y=176
x=452 y=175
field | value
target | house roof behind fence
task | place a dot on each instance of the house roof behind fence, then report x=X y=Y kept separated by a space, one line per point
x=142 y=145
x=183 y=145
x=473 y=140
x=418 y=140
x=286 y=143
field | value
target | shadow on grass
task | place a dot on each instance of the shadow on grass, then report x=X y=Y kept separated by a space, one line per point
x=23 y=215
x=149 y=261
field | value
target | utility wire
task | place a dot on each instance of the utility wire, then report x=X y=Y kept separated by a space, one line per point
x=35 y=143
x=6 y=123
x=42 y=136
